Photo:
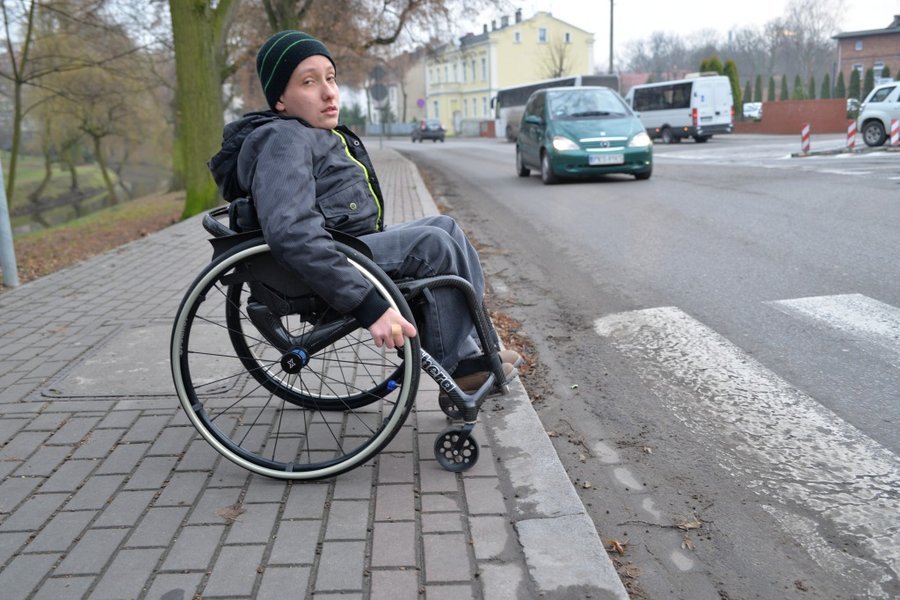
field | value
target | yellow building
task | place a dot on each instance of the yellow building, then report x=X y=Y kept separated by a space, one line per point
x=460 y=80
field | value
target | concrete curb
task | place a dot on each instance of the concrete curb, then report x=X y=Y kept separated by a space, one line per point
x=564 y=554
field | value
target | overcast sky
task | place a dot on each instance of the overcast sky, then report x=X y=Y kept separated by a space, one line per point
x=637 y=19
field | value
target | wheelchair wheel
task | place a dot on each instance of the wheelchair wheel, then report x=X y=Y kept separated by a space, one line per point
x=326 y=404
x=262 y=360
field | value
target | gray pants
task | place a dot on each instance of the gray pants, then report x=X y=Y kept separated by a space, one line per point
x=424 y=248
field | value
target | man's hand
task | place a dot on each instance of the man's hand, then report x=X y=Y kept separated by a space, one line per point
x=390 y=329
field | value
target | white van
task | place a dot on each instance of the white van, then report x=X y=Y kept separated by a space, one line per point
x=697 y=107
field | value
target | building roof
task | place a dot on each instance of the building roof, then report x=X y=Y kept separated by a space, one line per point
x=893 y=28
x=472 y=38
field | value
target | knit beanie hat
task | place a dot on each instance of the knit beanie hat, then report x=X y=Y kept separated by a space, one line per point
x=278 y=58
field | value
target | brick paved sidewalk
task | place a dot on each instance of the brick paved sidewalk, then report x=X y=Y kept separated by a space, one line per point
x=106 y=491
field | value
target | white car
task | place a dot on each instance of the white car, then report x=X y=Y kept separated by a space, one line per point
x=880 y=107
x=752 y=110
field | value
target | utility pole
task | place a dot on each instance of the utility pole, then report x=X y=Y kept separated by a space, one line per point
x=610 y=37
x=7 y=251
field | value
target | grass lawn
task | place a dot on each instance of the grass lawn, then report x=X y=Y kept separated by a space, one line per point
x=43 y=252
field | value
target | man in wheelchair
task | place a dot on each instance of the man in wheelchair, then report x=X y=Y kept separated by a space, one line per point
x=305 y=175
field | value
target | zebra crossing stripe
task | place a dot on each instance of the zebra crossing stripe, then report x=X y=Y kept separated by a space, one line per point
x=788 y=446
x=858 y=316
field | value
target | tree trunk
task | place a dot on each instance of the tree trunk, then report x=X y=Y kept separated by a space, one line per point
x=48 y=174
x=73 y=175
x=198 y=33
x=16 y=142
x=104 y=170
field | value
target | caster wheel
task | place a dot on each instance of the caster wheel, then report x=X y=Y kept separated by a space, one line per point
x=452 y=455
x=449 y=408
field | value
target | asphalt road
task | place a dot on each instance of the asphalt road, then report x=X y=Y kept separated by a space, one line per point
x=718 y=354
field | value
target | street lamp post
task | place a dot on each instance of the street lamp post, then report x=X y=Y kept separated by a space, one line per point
x=610 y=37
x=7 y=250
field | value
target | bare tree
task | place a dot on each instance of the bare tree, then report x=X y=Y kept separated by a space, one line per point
x=749 y=49
x=661 y=54
x=48 y=39
x=556 y=59
x=811 y=24
x=19 y=75
x=797 y=42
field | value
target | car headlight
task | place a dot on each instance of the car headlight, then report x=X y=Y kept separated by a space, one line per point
x=562 y=143
x=641 y=140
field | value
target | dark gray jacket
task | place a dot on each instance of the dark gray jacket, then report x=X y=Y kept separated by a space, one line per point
x=302 y=180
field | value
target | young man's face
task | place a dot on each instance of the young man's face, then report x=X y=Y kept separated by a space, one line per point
x=312 y=93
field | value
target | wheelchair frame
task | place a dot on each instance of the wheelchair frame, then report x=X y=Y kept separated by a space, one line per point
x=305 y=394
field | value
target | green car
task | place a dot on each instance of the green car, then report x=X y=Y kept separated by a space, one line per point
x=575 y=132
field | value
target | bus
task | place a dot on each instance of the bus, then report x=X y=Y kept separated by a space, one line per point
x=696 y=107
x=509 y=103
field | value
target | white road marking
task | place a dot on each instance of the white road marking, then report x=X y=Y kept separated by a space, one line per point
x=788 y=447
x=860 y=317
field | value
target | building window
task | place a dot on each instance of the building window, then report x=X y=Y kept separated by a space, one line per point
x=473 y=69
x=437 y=112
x=568 y=37
x=446 y=73
x=484 y=106
x=858 y=67
x=858 y=46
x=484 y=69
x=542 y=35
x=517 y=37
x=878 y=68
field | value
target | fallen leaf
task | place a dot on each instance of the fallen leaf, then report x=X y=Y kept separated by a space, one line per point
x=615 y=545
x=231 y=513
x=688 y=524
x=587 y=485
x=686 y=543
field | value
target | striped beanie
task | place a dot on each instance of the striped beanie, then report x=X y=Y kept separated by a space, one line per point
x=278 y=58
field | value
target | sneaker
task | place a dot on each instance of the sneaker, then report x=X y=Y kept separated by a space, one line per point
x=479 y=364
x=473 y=381
x=511 y=357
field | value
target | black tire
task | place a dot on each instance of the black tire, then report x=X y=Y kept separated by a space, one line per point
x=547 y=174
x=643 y=175
x=454 y=455
x=873 y=133
x=702 y=139
x=666 y=136
x=337 y=412
x=521 y=169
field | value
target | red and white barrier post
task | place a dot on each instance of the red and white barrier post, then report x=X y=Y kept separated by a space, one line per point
x=895 y=132
x=804 y=139
x=851 y=134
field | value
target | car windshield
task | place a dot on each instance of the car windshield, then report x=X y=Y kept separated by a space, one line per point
x=577 y=104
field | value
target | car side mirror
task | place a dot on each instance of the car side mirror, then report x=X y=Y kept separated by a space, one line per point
x=534 y=120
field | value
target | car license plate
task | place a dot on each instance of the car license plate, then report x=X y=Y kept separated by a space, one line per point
x=606 y=159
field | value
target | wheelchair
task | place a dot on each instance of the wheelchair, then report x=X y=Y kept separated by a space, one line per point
x=281 y=384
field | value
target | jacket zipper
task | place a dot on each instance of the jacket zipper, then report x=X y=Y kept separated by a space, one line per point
x=366 y=172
